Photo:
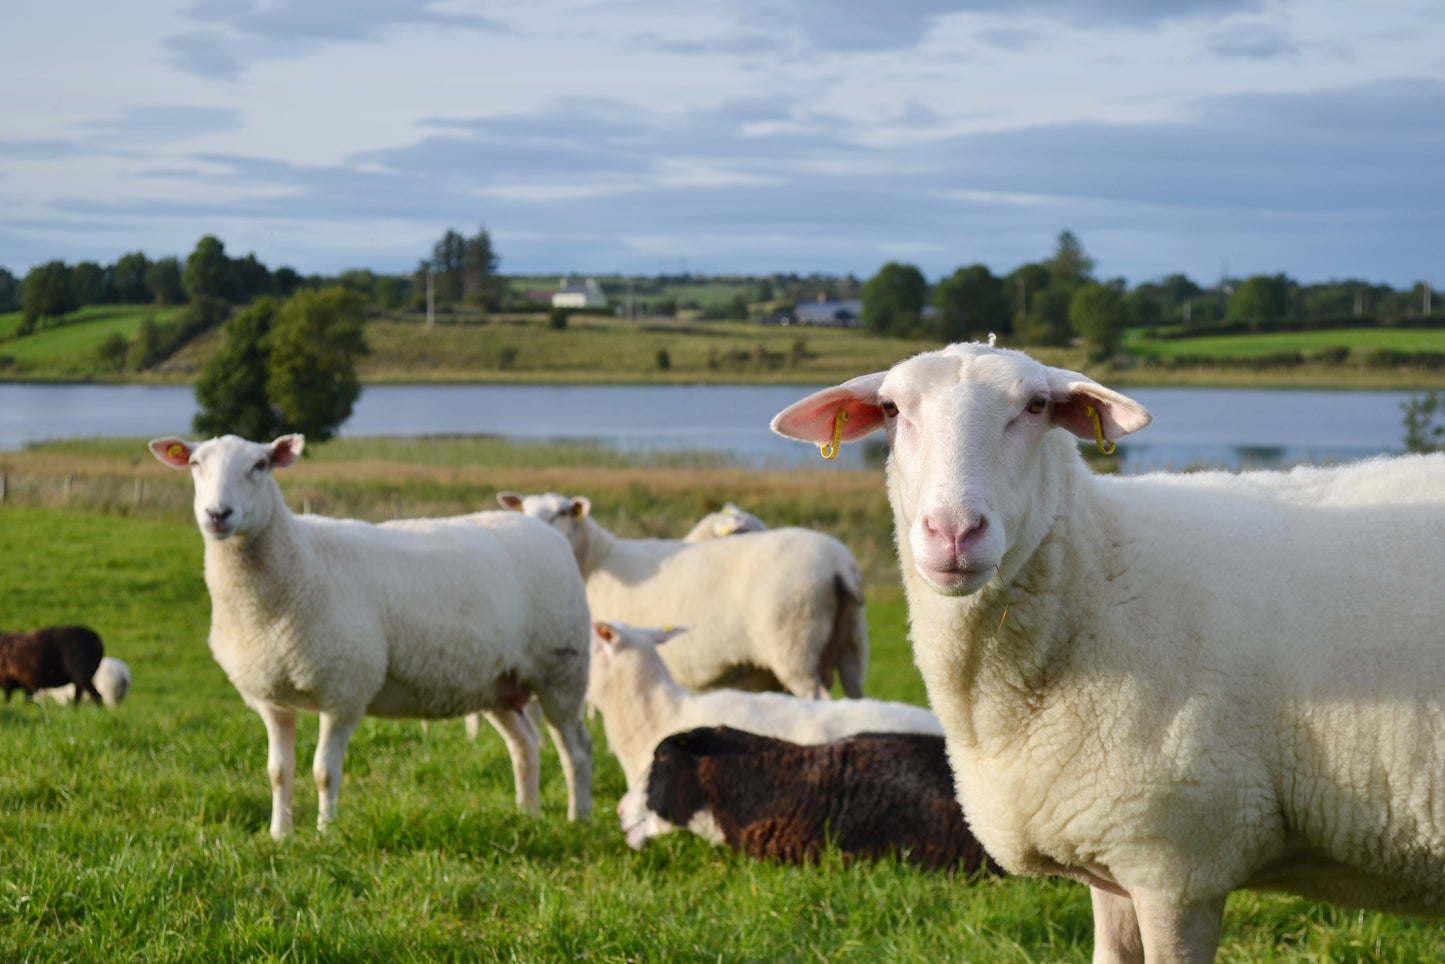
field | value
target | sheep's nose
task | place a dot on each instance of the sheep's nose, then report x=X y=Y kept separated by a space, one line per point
x=219 y=515
x=953 y=535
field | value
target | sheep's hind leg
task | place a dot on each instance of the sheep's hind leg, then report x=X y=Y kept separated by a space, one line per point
x=326 y=769
x=1175 y=933
x=524 y=744
x=1116 y=929
x=280 y=763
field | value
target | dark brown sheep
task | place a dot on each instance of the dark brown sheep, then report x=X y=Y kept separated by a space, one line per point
x=54 y=656
x=873 y=795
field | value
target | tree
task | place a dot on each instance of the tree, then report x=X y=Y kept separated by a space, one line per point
x=1260 y=301
x=208 y=271
x=112 y=352
x=285 y=367
x=1070 y=266
x=87 y=280
x=449 y=264
x=971 y=303
x=479 y=270
x=48 y=293
x=128 y=279
x=250 y=279
x=163 y=280
x=893 y=299
x=1097 y=313
x=1423 y=433
x=311 y=362
x=231 y=391
x=9 y=291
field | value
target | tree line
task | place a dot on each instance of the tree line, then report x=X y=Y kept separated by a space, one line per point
x=1055 y=300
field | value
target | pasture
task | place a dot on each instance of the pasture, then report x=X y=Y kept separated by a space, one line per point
x=141 y=833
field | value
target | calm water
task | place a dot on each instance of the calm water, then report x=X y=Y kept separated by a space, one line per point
x=1192 y=427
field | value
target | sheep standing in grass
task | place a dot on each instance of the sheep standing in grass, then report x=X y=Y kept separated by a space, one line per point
x=111 y=679
x=727 y=521
x=429 y=618
x=1165 y=687
x=767 y=610
x=45 y=658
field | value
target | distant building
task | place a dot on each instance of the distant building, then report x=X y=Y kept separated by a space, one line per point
x=572 y=293
x=836 y=314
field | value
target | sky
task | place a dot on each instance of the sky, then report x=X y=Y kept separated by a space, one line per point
x=719 y=137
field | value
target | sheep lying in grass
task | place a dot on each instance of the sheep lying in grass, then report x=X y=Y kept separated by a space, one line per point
x=768 y=610
x=111 y=679
x=641 y=704
x=875 y=795
x=55 y=656
x=727 y=521
x=429 y=618
x=1168 y=687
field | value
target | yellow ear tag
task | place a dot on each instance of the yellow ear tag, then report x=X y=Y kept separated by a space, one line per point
x=175 y=450
x=1105 y=446
x=830 y=451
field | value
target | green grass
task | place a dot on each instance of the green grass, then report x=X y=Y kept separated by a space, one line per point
x=69 y=350
x=1358 y=340
x=140 y=834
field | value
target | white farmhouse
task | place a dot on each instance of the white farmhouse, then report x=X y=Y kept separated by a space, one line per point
x=572 y=293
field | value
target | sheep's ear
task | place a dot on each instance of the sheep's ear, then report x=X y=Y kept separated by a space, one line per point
x=814 y=418
x=604 y=636
x=286 y=450
x=660 y=636
x=1075 y=394
x=581 y=507
x=510 y=500
x=173 y=451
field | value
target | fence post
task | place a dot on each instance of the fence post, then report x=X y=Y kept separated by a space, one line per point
x=139 y=491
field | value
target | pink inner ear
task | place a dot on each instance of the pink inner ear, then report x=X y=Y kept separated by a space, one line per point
x=813 y=419
x=172 y=451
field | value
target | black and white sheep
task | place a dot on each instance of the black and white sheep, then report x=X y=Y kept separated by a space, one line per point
x=873 y=795
x=50 y=657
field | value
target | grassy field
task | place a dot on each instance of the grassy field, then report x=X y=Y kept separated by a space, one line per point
x=140 y=834
x=69 y=350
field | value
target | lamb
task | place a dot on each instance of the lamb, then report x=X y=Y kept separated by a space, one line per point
x=781 y=609
x=641 y=703
x=111 y=679
x=727 y=521
x=873 y=795
x=429 y=618
x=1166 y=687
x=54 y=656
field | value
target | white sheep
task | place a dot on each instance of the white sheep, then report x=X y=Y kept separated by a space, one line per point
x=1168 y=687
x=641 y=703
x=727 y=521
x=767 y=609
x=112 y=681
x=429 y=618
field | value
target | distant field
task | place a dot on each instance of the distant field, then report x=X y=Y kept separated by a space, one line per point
x=1243 y=346
x=69 y=349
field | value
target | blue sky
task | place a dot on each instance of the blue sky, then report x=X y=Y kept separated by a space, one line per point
x=733 y=136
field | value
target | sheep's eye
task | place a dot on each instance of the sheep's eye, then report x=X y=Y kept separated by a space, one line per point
x=259 y=466
x=889 y=409
x=1037 y=404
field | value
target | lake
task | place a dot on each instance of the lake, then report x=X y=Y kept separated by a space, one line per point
x=1229 y=428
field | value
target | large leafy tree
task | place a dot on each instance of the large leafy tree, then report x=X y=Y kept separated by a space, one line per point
x=128 y=279
x=480 y=271
x=208 y=271
x=971 y=302
x=285 y=367
x=231 y=391
x=1260 y=302
x=9 y=291
x=163 y=280
x=893 y=299
x=1097 y=313
x=48 y=293
x=448 y=265
x=311 y=363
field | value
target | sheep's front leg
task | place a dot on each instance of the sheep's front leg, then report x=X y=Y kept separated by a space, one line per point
x=280 y=763
x=524 y=744
x=1116 y=929
x=574 y=745
x=1175 y=932
x=326 y=769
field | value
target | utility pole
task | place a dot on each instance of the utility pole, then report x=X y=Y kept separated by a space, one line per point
x=430 y=310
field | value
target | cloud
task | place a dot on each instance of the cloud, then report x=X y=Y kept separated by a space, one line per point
x=235 y=34
x=163 y=123
x=1251 y=42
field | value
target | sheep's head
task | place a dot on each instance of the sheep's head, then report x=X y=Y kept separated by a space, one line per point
x=558 y=511
x=235 y=493
x=624 y=657
x=730 y=520
x=966 y=427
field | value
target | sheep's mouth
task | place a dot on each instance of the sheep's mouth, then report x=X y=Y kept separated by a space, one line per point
x=955 y=580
